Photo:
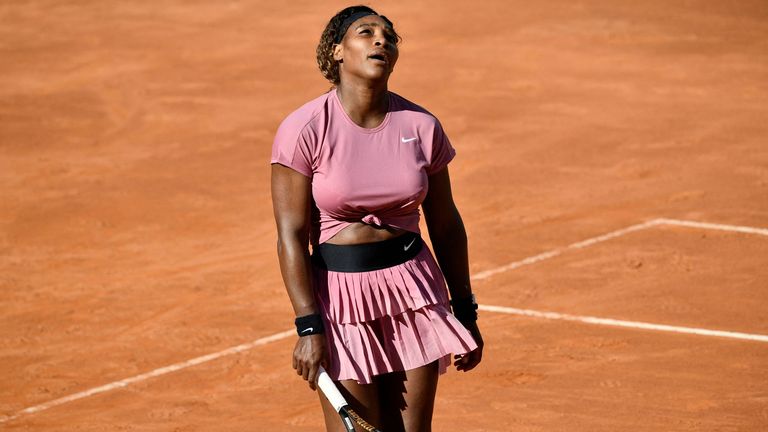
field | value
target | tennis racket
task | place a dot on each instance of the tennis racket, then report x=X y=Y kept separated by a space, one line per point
x=348 y=415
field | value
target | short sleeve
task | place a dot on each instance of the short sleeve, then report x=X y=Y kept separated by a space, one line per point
x=293 y=147
x=441 y=152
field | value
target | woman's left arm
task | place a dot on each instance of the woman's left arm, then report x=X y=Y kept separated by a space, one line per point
x=449 y=240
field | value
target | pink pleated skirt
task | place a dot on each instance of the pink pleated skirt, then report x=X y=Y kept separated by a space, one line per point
x=388 y=320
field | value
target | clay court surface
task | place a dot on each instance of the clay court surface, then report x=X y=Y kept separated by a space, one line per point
x=136 y=230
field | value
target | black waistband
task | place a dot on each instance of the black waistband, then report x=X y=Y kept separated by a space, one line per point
x=367 y=256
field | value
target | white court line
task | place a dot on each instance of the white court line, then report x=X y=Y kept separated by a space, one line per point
x=712 y=226
x=622 y=323
x=555 y=252
x=150 y=374
x=618 y=233
x=478 y=276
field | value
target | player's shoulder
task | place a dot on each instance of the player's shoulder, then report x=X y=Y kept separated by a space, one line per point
x=413 y=110
x=305 y=115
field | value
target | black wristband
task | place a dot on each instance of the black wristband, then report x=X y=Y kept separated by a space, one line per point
x=309 y=324
x=465 y=309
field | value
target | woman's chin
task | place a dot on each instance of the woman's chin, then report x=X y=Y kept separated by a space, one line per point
x=378 y=74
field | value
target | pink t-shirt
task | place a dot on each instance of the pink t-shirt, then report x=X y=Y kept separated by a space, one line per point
x=376 y=176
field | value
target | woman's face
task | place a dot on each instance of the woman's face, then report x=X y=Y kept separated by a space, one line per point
x=368 y=50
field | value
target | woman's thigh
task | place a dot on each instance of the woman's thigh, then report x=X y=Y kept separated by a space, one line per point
x=408 y=399
x=363 y=398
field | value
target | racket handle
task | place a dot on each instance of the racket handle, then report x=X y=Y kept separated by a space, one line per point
x=330 y=390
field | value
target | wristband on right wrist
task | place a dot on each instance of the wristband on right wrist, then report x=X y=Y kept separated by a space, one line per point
x=309 y=324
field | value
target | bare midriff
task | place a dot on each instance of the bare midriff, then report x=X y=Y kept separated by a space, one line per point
x=358 y=233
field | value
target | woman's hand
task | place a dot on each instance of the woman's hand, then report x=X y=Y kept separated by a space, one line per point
x=308 y=355
x=467 y=362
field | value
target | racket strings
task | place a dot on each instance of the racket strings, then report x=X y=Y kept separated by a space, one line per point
x=359 y=420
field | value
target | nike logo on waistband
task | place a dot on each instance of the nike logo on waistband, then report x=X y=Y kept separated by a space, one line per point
x=405 y=248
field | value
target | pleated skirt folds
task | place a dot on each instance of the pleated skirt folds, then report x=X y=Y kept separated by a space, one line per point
x=393 y=319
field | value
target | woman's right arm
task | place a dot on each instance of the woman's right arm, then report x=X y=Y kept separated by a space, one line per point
x=291 y=200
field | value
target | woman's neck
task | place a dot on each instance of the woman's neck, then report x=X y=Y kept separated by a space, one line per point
x=365 y=105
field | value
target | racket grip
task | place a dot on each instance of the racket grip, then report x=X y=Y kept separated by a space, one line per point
x=330 y=390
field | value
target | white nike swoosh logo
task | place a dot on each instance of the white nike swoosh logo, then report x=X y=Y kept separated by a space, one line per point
x=309 y=329
x=405 y=248
x=407 y=140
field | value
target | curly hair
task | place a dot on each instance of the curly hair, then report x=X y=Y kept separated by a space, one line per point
x=325 y=61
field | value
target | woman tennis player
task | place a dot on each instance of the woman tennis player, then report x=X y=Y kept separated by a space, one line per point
x=350 y=170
